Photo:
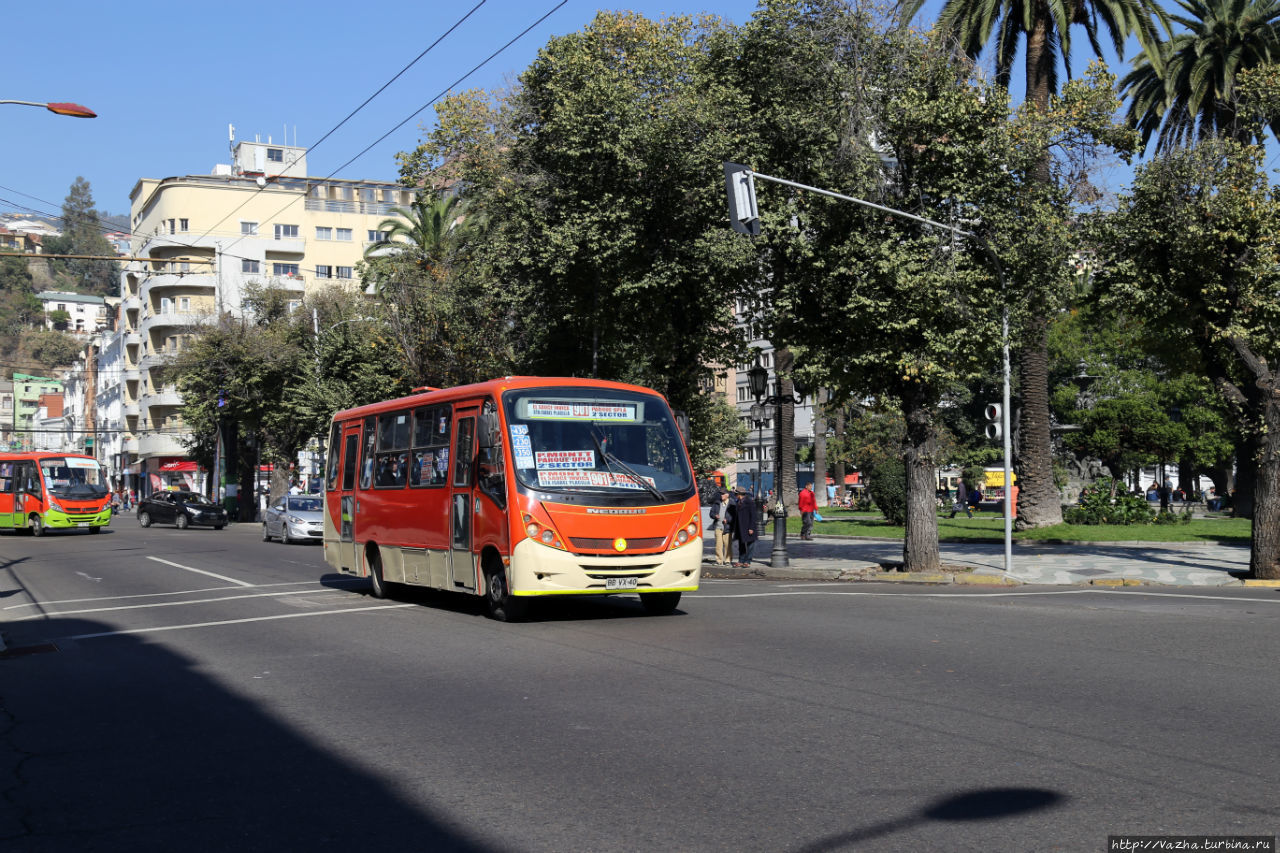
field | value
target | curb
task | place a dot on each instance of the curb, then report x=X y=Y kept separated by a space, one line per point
x=1262 y=583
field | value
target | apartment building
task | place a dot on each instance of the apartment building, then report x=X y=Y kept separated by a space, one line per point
x=204 y=240
x=85 y=314
x=27 y=392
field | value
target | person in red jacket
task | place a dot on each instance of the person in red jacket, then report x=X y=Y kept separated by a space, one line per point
x=808 y=506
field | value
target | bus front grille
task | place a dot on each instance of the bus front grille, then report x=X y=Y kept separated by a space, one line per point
x=645 y=544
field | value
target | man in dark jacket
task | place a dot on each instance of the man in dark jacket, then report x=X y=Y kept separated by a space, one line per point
x=743 y=524
x=962 y=500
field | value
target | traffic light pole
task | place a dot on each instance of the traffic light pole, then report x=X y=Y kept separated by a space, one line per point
x=744 y=216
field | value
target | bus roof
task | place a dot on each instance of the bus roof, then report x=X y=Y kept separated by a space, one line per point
x=10 y=455
x=492 y=387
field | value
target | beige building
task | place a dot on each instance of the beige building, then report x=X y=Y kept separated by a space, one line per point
x=205 y=240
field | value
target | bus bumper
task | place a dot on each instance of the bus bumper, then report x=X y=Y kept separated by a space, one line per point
x=54 y=520
x=539 y=570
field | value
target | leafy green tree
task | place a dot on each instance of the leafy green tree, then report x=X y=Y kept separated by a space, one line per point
x=599 y=180
x=426 y=230
x=82 y=235
x=1193 y=248
x=1184 y=89
x=1045 y=31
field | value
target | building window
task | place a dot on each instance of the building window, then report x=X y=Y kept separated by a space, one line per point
x=248 y=229
x=172 y=226
x=285 y=269
x=379 y=236
x=183 y=225
x=247 y=265
x=275 y=155
x=184 y=304
x=324 y=271
x=324 y=233
x=344 y=234
x=286 y=232
x=344 y=272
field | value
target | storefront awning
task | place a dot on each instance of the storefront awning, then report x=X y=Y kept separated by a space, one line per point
x=178 y=465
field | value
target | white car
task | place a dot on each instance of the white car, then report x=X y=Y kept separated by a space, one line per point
x=294 y=518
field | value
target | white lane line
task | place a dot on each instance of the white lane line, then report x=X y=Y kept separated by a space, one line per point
x=233 y=622
x=201 y=572
x=177 y=592
x=180 y=603
x=700 y=595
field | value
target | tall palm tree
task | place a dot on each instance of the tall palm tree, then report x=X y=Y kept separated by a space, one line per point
x=1046 y=26
x=427 y=229
x=1190 y=92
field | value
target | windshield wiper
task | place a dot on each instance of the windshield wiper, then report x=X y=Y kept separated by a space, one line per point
x=611 y=460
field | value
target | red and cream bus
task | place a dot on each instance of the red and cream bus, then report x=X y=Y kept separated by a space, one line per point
x=53 y=491
x=516 y=488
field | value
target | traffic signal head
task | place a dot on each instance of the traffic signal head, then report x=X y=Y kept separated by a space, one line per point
x=994 y=415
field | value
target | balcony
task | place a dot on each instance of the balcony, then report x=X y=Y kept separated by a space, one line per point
x=366 y=208
x=132 y=338
x=132 y=302
x=129 y=444
x=161 y=397
x=131 y=409
x=296 y=283
x=173 y=318
x=160 y=444
x=167 y=281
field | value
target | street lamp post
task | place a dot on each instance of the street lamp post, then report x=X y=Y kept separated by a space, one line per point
x=758 y=381
x=758 y=414
x=61 y=108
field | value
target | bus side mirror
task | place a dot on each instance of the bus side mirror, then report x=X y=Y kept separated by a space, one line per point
x=682 y=424
x=488 y=429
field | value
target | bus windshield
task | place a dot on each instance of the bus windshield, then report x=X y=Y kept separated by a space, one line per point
x=595 y=440
x=74 y=477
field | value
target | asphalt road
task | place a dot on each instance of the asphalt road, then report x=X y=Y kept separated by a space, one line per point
x=204 y=690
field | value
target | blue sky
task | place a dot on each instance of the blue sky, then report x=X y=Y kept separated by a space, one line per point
x=166 y=80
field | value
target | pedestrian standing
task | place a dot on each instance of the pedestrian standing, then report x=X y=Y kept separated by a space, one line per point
x=745 y=526
x=719 y=512
x=962 y=500
x=808 y=506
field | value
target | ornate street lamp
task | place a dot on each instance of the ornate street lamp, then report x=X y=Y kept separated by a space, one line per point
x=61 y=108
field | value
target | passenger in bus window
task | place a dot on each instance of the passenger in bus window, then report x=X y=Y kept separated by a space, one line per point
x=415 y=471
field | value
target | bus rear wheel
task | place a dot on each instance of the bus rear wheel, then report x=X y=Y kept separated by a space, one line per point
x=659 y=603
x=375 y=575
x=503 y=606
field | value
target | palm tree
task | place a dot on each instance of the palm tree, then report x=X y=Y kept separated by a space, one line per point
x=428 y=229
x=1046 y=26
x=1195 y=96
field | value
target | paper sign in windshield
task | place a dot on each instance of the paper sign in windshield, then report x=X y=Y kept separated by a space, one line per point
x=559 y=460
x=561 y=411
x=589 y=478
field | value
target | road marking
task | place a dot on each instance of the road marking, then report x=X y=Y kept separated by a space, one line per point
x=232 y=622
x=201 y=572
x=177 y=592
x=178 y=603
x=1095 y=590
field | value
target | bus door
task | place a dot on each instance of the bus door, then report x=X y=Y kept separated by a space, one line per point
x=30 y=495
x=462 y=497
x=346 y=487
x=7 y=496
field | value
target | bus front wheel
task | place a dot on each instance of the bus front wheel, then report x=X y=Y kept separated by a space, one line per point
x=36 y=525
x=503 y=606
x=659 y=603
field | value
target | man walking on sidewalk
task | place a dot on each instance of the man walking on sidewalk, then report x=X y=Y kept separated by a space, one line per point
x=808 y=506
x=962 y=500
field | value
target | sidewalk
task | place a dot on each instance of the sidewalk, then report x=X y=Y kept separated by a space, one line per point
x=1101 y=563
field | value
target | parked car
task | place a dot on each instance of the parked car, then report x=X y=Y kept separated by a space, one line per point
x=182 y=509
x=294 y=518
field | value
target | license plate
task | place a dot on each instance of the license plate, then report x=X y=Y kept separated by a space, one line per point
x=620 y=583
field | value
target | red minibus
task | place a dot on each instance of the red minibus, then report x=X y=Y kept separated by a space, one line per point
x=54 y=491
x=516 y=488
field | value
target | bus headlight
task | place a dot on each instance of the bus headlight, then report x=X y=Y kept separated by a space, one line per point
x=55 y=506
x=541 y=533
x=684 y=534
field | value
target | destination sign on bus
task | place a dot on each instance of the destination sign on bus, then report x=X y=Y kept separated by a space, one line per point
x=552 y=460
x=565 y=410
x=589 y=478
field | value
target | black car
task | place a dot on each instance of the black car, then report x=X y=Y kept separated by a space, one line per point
x=182 y=509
